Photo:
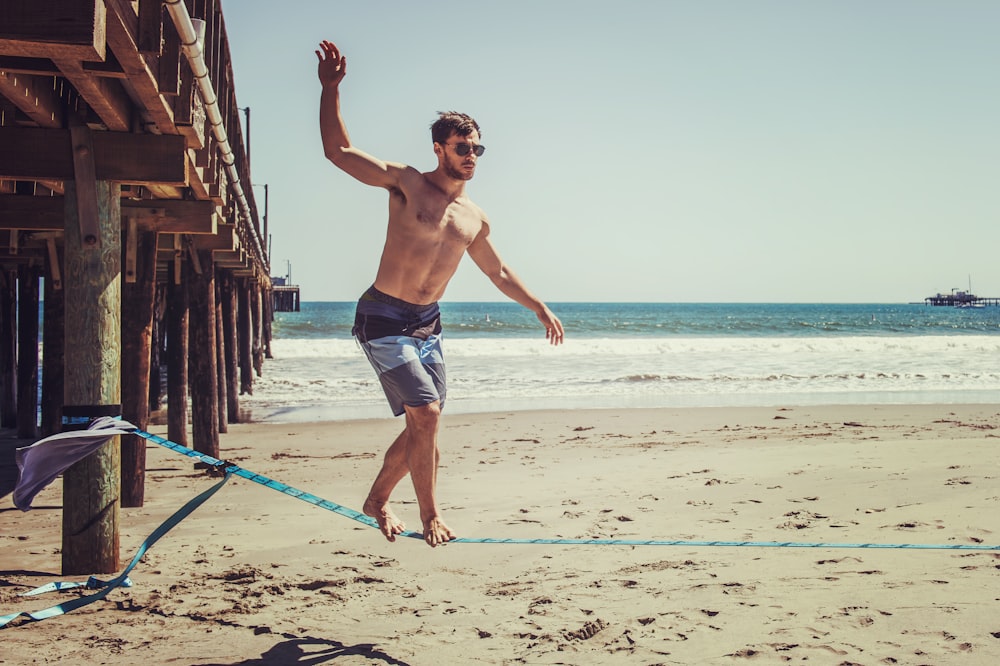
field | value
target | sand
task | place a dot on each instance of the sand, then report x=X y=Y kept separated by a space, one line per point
x=257 y=577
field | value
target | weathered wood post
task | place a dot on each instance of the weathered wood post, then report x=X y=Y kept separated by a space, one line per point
x=246 y=339
x=201 y=365
x=138 y=295
x=229 y=329
x=156 y=355
x=93 y=371
x=220 y=357
x=258 y=346
x=27 y=351
x=53 y=337
x=8 y=347
x=177 y=355
x=268 y=317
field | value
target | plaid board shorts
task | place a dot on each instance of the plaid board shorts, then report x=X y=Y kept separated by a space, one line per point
x=403 y=343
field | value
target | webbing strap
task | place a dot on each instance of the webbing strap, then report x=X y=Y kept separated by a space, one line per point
x=752 y=544
x=230 y=470
x=362 y=518
x=122 y=580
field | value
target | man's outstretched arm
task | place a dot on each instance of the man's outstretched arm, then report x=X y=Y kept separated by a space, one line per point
x=336 y=141
x=488 y=259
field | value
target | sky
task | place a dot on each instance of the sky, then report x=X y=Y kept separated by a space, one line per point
x=829 y=151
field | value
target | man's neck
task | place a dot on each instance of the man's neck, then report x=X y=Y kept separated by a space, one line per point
x=450 y=187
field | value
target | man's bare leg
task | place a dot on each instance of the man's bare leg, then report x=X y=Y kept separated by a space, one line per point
x=394 y=468
x=422 y=459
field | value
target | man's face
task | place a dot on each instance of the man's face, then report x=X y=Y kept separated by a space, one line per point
x=460 y=167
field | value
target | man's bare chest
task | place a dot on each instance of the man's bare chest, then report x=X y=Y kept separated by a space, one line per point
x=455 y=221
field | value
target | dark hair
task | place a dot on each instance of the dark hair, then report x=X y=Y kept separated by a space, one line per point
x=452 y=122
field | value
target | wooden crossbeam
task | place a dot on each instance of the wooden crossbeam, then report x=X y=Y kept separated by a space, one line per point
x=36 y=96
x=167 y=216
x=105 y=96
x=109 y=68
x=32 y=153
x=60 y=28
x=142 y=70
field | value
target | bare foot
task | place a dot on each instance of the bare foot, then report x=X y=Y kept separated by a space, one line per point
x=387 y=521
x=436 y=532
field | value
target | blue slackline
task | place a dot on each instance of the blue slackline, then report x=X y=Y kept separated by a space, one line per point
x=236 y=470
x=230 y=470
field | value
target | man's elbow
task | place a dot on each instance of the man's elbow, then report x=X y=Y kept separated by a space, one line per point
x=335 y=154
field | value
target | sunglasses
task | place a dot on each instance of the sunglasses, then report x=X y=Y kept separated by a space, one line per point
x=462 y=149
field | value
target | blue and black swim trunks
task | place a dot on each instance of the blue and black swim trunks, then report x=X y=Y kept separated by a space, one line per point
x=403 y=343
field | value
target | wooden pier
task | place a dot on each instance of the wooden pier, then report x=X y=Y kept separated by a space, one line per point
x=962 y=299
x=286 y=298
x=125 y=191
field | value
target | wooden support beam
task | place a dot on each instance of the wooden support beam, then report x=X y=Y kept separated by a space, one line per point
x=93 y=384
x=35 y=96
x=257 y=327
x=189 y=110
x=32 y=153
x=142 y=70
x=220 y=357
x=202 y=362
x=53 y=342
x=178 y=258
x=131 y=250
x=27 y=350
x=229 y=309
x=31 y=213
x=169 y=74
x=42 y=67
x=150 y=26
x=163 y=215
x=172 y=216
x=245 y=336
x=45 y=67
x=8 y=347
x=196 y=262
x=177 y=359
x=85 y=174
x=60 y=28
x=55 y=273
x=138 y=294
x=104 y=96
x=225 y=240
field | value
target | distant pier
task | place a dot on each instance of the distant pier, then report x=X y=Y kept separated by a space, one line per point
x=286 y=298
x=962 y=299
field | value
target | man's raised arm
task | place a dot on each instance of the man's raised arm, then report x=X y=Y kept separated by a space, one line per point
x=336 y=142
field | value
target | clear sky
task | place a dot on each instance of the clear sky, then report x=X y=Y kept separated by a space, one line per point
x=658 y=150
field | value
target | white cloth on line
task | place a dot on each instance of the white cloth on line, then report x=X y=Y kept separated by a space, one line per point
x=39 y=464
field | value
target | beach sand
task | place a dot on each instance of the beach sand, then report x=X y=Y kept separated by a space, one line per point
x=257 y=577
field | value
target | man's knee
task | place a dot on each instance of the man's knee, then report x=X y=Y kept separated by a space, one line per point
x=423 y=417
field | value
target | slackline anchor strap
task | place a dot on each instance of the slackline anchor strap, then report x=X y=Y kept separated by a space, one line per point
x=122 y=580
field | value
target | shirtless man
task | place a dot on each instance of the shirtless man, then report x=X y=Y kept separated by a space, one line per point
x=432 y=224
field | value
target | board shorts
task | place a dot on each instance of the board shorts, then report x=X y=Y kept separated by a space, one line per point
x=403 y=343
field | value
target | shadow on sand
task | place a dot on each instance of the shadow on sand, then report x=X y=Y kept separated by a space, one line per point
x=308 y=650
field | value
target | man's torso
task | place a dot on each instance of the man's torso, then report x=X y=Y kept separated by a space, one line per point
x=428 y=233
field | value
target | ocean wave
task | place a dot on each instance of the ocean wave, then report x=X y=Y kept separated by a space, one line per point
x=597 y=347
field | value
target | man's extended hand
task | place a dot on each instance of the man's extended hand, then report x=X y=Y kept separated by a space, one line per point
x=332 y=65
x=553 y=327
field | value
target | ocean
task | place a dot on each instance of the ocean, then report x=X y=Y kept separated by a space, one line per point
x=624 y=355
